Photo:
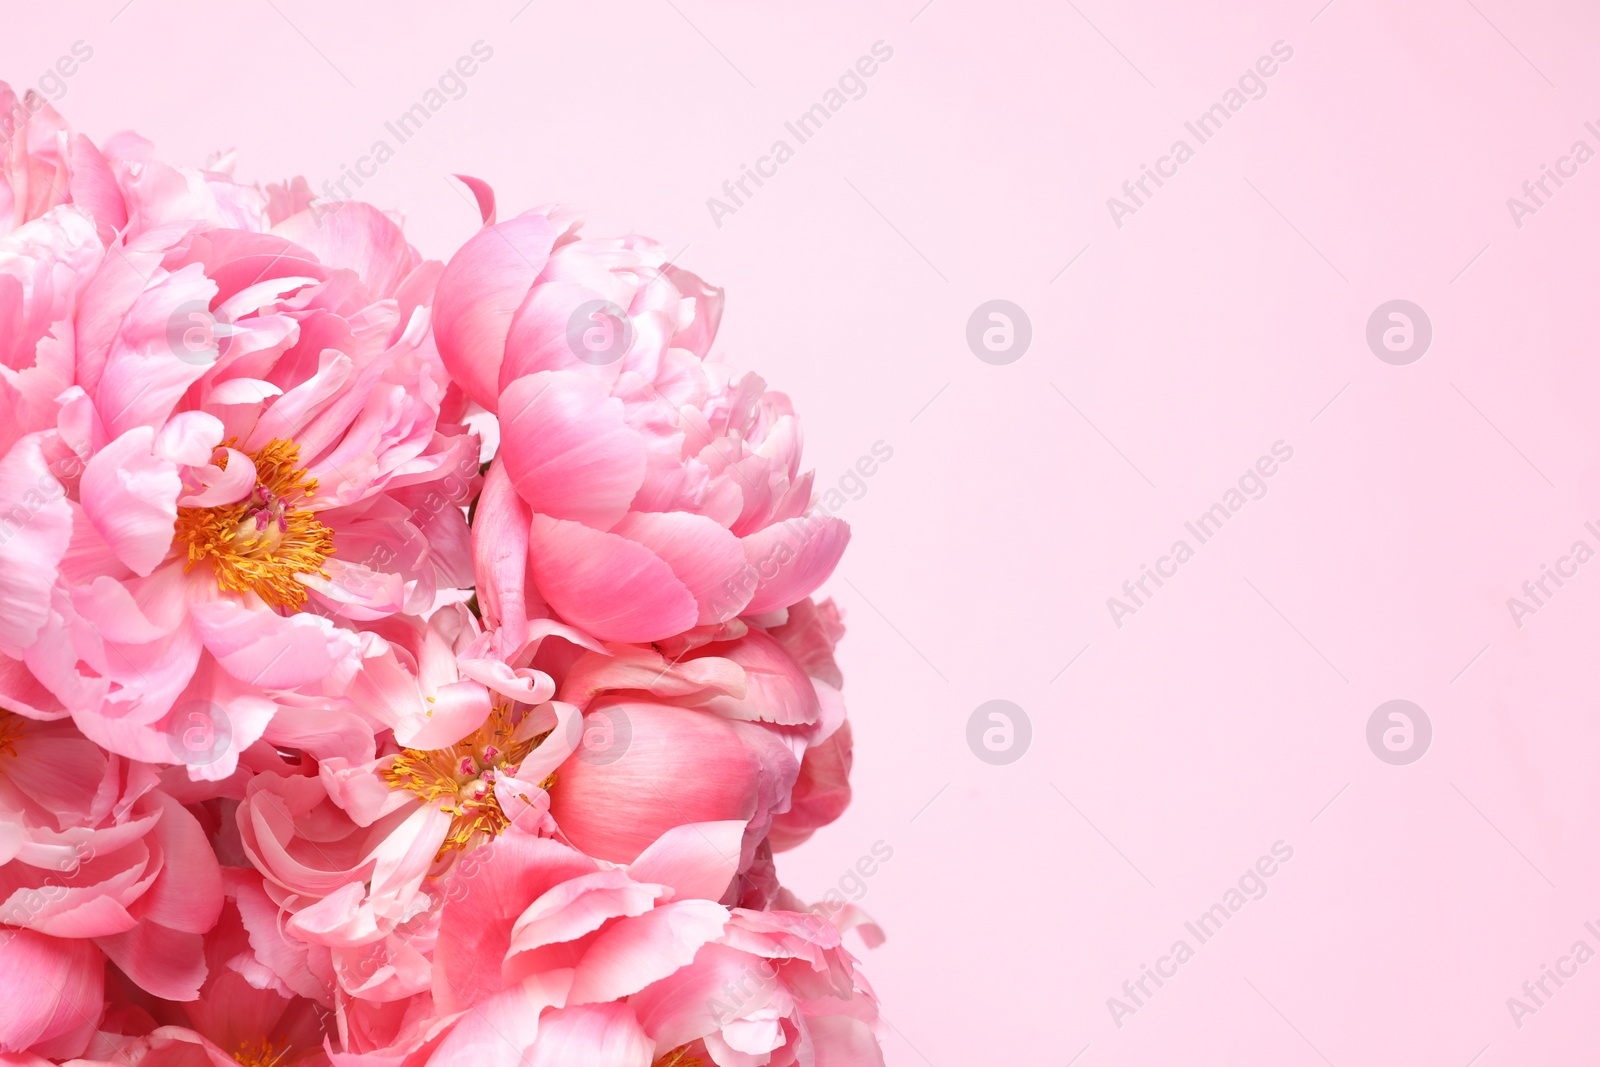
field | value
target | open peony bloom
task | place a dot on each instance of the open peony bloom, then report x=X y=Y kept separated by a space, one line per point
x=96 y=862
x=649 y=489
x=239 y=456
x=553 y=959
x=242 y=1017
x=400 y=664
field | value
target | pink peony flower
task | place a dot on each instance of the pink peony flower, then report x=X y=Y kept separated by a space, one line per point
x=354 y=840
x=96 y=863
x=718 y=733
x=320 y=743
x=640 y=490
x=777 y=988
x=242 y=1016
x=241 y=430
x=633 y=966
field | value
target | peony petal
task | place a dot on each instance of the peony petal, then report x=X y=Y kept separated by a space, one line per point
x=54 y=989
x=642 y=771
x=579 y=906
x=695 y=860
x=35 y=530
x=132 y=499
x=611 y=587
x=164 y=963
x=187 y=895
x=792 y=558
x=274 y=651
x=504 y=1028
x=94 y=188
x=569 y=449
x=480 y=290
x=500 y=554
x=595 y=1035
x=145 y=373
x=706 y=558
x=635 y=952
x=482 y=900
x=776 y=687
x=355 y=236
x=483 y=192
x=189 y=438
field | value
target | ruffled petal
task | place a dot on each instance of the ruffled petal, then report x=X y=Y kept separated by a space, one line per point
x=35 y=530
x=131 y=496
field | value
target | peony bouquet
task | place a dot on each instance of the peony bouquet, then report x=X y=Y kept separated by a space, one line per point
x=400 y=662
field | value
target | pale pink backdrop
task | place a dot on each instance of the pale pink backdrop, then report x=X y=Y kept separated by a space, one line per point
x=1226 y=314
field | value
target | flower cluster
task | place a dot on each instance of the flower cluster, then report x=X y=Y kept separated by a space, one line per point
x=400 y=662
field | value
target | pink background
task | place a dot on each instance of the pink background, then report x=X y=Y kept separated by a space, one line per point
x=1227 y=314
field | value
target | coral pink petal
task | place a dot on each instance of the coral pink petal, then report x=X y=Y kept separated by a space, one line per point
x=144 y=374
x=483 y=192
x=482 y=902
x=356 y=591
x=500 y=554
x=94 y=188
x=479 y=292
x=577 y=907
x=793 y=558
x=187 y=895
x=456 y=709
x=522 y=685
x=776 y=687
x=615 y=797
x=608 y=586
x=635 y=952
x=706 y=558
x=221 y=485
x=695 y=1000
x=708 y=301
x=502 y=1029
x=696 y=860
x=645 y=669
x=540 y=338
x=569 y=449
x=165 y=963
x=54 y=988
x=189 y=438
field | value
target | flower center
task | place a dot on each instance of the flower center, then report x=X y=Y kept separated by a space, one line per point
x=259 y=1053
x=460 y=779
x=679 y=1057
x=262 y=543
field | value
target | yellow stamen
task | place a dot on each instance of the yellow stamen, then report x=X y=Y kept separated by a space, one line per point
x=259 y=1053
x=460 y=779
x=262 y=543
x=679 y=1057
